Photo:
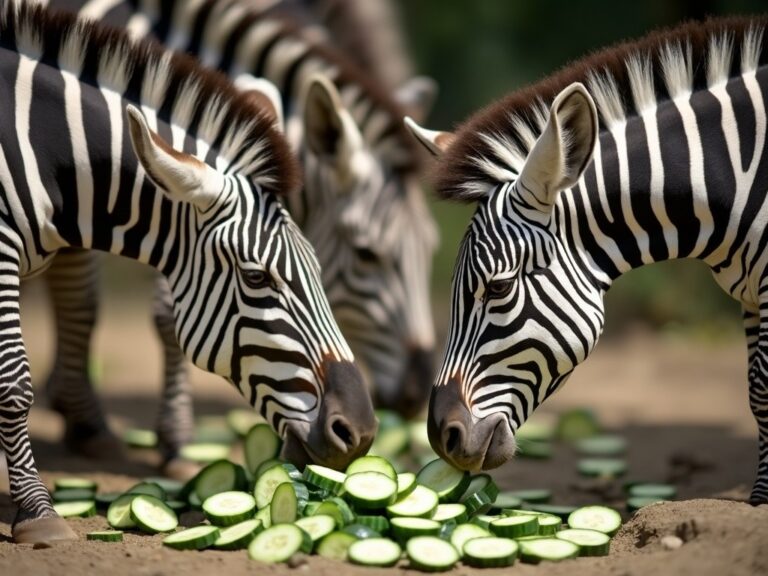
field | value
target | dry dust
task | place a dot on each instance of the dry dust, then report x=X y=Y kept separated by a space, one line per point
x=681 y=405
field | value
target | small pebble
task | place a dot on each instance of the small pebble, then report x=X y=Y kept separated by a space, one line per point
x=297 y=560
x=41 y=545
x=671 y=542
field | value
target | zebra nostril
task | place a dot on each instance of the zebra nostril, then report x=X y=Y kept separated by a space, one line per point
x=340 y=430
x=453 y=436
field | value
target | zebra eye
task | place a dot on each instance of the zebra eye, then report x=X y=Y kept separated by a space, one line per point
x=256 y=278
x=499 y=288
x=366 y=255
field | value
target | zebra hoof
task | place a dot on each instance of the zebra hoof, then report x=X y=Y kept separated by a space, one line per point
x=180 y=469
x=43 y=530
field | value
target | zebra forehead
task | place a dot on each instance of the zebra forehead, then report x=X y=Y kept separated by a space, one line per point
x=492 y=145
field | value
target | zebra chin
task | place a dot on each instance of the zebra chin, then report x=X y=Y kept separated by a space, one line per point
x=467 y=443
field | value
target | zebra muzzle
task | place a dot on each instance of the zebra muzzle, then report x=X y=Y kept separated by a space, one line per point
x=466 y=442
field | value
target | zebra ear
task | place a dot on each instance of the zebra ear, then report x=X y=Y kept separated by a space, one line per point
x=265 y=95
x=329 y=129
x=564 y=149
x=182 y=176
x=417 y=96
x=434 y=141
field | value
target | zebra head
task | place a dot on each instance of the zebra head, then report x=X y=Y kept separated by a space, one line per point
x=375 y=239
x=249 y=303
x=523 y=312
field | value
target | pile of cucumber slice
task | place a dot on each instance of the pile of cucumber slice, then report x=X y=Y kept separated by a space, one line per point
x=369 y=515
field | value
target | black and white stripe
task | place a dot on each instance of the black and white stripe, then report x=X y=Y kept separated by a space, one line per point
x=247 y=297
x=676 y=167
x=373 y=234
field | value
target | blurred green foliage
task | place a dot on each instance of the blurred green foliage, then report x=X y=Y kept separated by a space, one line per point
x=479 y=50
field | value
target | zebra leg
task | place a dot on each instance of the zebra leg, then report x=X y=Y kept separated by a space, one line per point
x=35 y=519
x=73 y=286
x=175 y=422
x=756 y=327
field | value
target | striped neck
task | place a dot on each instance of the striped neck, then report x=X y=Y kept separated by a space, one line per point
x=685 y=179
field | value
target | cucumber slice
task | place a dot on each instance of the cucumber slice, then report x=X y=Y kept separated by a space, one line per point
x=229 y=508
x=105 y=536
x=539 y=427
x=422 y=502
x=279 y=543
x=447 y=481
x=549 y=549
x=561 y=511
x=267 y=483
x=406 y=483
x=602 y=467
x=325 y=478
x=420 y=437
x=74 y=484
x=490 y=552
x=318 y=527
x=104 y=500
x=213 y=430
x=119 y=512
x=403 y=529
x=658 y=491
x=217 y=477
x=378 y=523
x=177 y=506
x=241 y=421
x=147 y=489
x=72 y=495
x=76 y=509
x=370 y=490
x=577 y=424
x=310 y=508
x=515 y=526
x=599 y=518
x=380 y=552
x=465 y=532
x=266 y=465
x=205 y=452
x=549 y=524
x=603 y=445
x=391 y=442
x=195 y=503
x=284 y=508
x=533 y=496
x=337 y=509
x=238 y=536
x=361 y=531
x=261 y=444
x=535 y=449
x=140 y=438
x=484 y=520
x=480 y=494
x=372 y=464
x=506 y=500
x=151 y=515
x=335 y=545
x=636 y=502
x=197 y=538
x=265 y=516
x=590 y=542
x=451 y=512
x=431 y=554
x=171 y=487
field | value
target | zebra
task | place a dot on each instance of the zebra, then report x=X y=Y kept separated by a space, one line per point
x=78 y=170
x=674 y=166
x=362 y=209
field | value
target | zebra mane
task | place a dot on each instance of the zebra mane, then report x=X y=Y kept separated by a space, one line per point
x=388 y=133
x=628 y=79
x=201 y=101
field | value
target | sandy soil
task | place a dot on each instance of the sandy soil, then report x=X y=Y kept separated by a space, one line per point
x=682 y=405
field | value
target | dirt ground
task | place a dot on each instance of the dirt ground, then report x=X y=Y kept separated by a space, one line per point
x=682 y=406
